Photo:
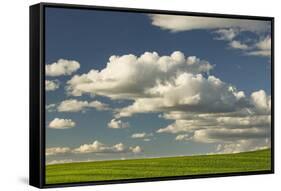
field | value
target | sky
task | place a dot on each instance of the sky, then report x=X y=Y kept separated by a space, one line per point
x=123 y=85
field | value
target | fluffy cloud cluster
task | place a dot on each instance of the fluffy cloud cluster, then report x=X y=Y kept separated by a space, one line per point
x=137 y=75
x=204 y=108
x=51 y=85
x=58 y=123
x=247 y=128
x=95 y=147
x=73 y=105
x=118 y=124
x=224 y=28
x=62 y=67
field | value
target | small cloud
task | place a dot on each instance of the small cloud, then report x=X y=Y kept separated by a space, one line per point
x=51 y=107
x=144 y=136
x=183 y=137
x=73 y=105
x=226 y=34
x=98 y=147
x=58 y=123
x=118 y=124
x=136 y=149
x=62 y=68
x=51 y=85
x=262 y=48
x=238 y=45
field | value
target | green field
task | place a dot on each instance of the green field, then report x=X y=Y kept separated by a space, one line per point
x=158 y=167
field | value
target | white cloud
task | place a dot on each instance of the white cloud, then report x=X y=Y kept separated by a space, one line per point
x=238 y=45
x=73 y=105
x=137 y=75
x=98 y=147
x=98 y=105
x=182 y=126
x=118 y=124
x=62 y=67
x=51 y=85
x=58 y=123
x=261 y=101
x=136 y=149
x=51 y=107
x=144 y=136
x=139 y=135
x=57 y=150
x=264 y=44
x=196 y=122
x=226 y=34
x=229 y=135
x=183 y=137
x=262 y=47
x=186 y=23
x=187 y=92
x=95 y=147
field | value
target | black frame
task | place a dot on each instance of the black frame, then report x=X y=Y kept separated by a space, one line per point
x=37 y=94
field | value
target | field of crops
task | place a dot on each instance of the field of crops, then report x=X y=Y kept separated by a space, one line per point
x=157 y=167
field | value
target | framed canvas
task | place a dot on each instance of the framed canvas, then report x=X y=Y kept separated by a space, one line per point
x=129 y=95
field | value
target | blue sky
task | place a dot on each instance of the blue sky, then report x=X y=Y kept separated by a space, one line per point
x=91 y=37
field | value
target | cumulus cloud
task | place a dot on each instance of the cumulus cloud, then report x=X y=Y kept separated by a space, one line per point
x=136 y=149
x=261 y=101
x=58 y=123
x=137 y=75
x=118 y=124
x=188 y=92
x=62 y=67
x=162 y=85
x=98 y=147
x=51 y=85
x=73 y=105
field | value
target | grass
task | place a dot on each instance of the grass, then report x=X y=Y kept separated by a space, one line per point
x=158 y=167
